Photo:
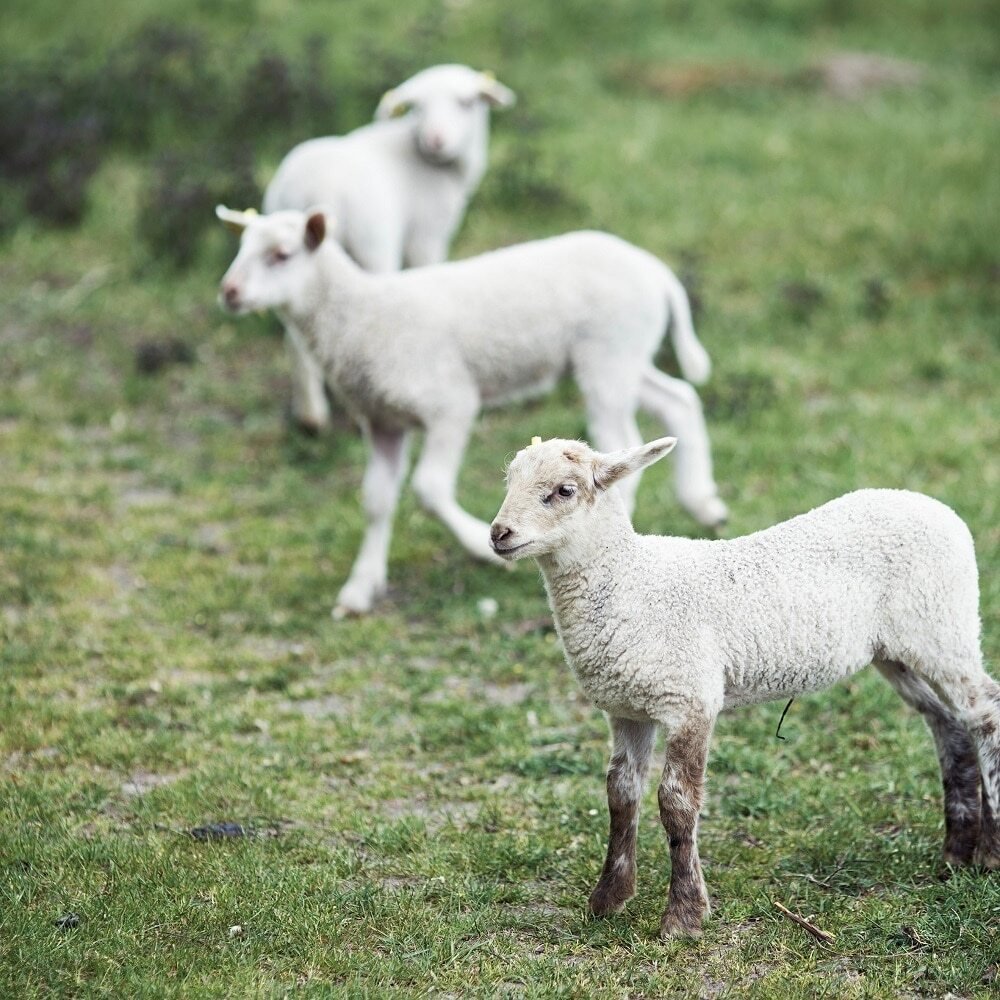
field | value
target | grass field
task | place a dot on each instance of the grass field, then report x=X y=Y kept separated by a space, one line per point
x=423 y=789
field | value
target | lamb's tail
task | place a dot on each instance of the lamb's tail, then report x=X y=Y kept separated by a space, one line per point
x=695 y=363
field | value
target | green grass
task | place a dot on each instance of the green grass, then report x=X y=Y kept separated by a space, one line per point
x=425 y=787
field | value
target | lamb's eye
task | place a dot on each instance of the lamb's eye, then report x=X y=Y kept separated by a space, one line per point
x=566 y=491
x=278 y=256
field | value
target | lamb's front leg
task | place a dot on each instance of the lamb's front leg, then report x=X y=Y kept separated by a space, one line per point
x=380 y=494
x=436 y=475
x=681 y=793
x=627 y=771
x=310 y=407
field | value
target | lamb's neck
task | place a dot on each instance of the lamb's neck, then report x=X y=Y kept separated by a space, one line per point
x=471 y=165
x=323 y=309
x=592 y=561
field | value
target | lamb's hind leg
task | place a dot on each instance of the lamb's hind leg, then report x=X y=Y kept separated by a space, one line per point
x=677 y=406
x=983 y=722
x=681 y=793
x=627 y=771
x=436 y=475
x=957 y=756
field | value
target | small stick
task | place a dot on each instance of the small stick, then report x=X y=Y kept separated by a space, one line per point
x=820 y=935
x=777 y=731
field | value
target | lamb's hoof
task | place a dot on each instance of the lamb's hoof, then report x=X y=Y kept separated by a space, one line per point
x=610 y=898
x=310 y=428
x=682 y=923
x=988 y=859
x=710 y=512
x=354 y=601
x=954 y=860
x=959 y=854
x=342 y=611
x=310 y=424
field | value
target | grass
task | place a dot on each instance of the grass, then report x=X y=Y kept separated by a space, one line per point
x=424 y=788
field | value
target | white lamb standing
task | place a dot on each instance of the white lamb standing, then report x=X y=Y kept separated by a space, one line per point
x=670 y=632
x=397 y=187
x=427 y=348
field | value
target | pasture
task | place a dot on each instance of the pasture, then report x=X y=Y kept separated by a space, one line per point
x=419 y=795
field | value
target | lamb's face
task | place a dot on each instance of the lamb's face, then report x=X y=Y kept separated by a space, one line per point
x=274 y=263
x=449 y=108
x=550 y=490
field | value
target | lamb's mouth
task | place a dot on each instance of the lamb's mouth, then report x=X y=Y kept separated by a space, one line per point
x=507 y=551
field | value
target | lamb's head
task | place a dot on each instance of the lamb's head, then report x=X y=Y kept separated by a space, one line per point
x=553 y=489
x=449 y=106
x=274 y=265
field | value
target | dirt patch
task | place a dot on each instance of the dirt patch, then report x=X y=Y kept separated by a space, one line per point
x=845 y=75
x=435 y=815
x=330 y=706
x=269 y=649
x=852 y=75
x=469 y=689
x=145 y=781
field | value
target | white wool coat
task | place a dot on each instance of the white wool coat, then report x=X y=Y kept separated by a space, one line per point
x=653 y=626
x=488 y=329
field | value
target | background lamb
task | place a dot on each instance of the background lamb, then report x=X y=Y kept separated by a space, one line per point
x=397 y=187
x=670 y=632
x=428 y=348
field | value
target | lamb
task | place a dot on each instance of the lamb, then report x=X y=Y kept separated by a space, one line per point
x=669 y=632
x=398 y=187
x=428 y=348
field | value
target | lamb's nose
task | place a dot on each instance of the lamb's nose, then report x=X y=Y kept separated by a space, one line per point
x=231 y=294
x=499 y=532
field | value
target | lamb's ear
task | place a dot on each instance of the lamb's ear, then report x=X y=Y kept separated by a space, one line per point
x=315 y=230
x=392 y=105
x=494 y=92
x=615 y=465
x=234 y=221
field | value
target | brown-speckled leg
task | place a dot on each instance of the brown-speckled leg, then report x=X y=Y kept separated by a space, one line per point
x=681 y=794
x=627 y=771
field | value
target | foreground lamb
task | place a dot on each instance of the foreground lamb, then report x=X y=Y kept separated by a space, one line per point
x=428 y=348
x=397 y=187
x=669 y=632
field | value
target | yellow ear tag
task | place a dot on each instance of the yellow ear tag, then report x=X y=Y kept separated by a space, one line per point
x=250 y=211
x=536 y=440
x=488 y=74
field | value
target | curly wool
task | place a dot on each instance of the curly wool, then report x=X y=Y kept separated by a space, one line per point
x=651 y=625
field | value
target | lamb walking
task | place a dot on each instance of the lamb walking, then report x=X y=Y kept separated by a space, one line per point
x=428 y=348
x=669 y=632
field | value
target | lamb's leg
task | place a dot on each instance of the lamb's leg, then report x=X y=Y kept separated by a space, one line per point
x=310 y=407
x=957 y=756
x=681 y=792
x=380 y=494
x=677 y=406
x=434 y=481
x=610 y=390
x=982 y=718
x=633 y=743
x=612 y=427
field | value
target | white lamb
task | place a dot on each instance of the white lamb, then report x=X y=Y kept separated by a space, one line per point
x=397 y=187
x=428 y=348
x=669 y=632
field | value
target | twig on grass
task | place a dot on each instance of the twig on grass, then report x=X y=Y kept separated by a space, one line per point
x=816 y=932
